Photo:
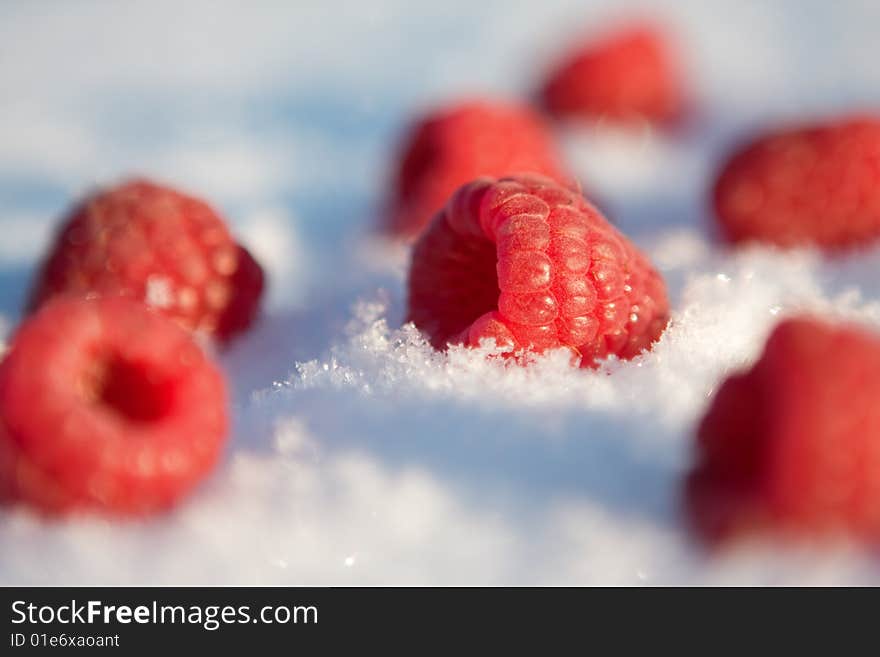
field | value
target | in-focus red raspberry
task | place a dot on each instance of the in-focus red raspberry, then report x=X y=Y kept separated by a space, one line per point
x=532 y=264
x=459 y=143
x=156 y=245
x=793 y=445
x=105 y=405
x=625 y=76
x=814 y=185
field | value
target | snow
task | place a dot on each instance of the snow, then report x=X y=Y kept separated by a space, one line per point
x=359 y=455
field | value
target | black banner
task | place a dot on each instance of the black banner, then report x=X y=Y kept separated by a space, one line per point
x=147 y=620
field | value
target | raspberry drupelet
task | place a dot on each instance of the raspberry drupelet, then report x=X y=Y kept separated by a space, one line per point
x=533 y=265
x=792 y=446
x=811 y=185
x=457 y=143
x=107 y=406
x=159 y=246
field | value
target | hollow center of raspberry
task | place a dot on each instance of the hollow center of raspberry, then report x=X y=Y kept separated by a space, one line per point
x=129 y=389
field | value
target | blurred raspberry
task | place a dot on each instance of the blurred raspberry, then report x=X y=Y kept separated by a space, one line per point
x=458 y=143
x=625 y=76
x=530 y=263
x=155 y=245
x=793 y=444
x=814 y=185
x=106 y=405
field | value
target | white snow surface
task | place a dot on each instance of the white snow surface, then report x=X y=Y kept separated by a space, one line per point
x=359 y=455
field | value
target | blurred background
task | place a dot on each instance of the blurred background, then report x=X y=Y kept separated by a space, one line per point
x=286 y=113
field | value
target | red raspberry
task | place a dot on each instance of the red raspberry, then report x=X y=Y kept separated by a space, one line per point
x=106 y=405
x=456 y=144
x=627 y=75
x=812 y=185
x=794 y=443
x=156 y=245
x=532 y=264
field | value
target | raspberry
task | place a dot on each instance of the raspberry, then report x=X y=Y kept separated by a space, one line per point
x=106 y=405
x=813 y=185
x=627 y=75
x=456 y=144
x=159 y=246
x=531 y=263
x=793 y=445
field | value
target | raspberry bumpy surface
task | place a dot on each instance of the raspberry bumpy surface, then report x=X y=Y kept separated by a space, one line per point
x=814 y=185
x=155 y=245
x=532 y=264
x=793 y=445
x=106 y=405
x=458 y=143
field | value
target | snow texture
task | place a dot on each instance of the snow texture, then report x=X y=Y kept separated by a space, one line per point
x=359 y=455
